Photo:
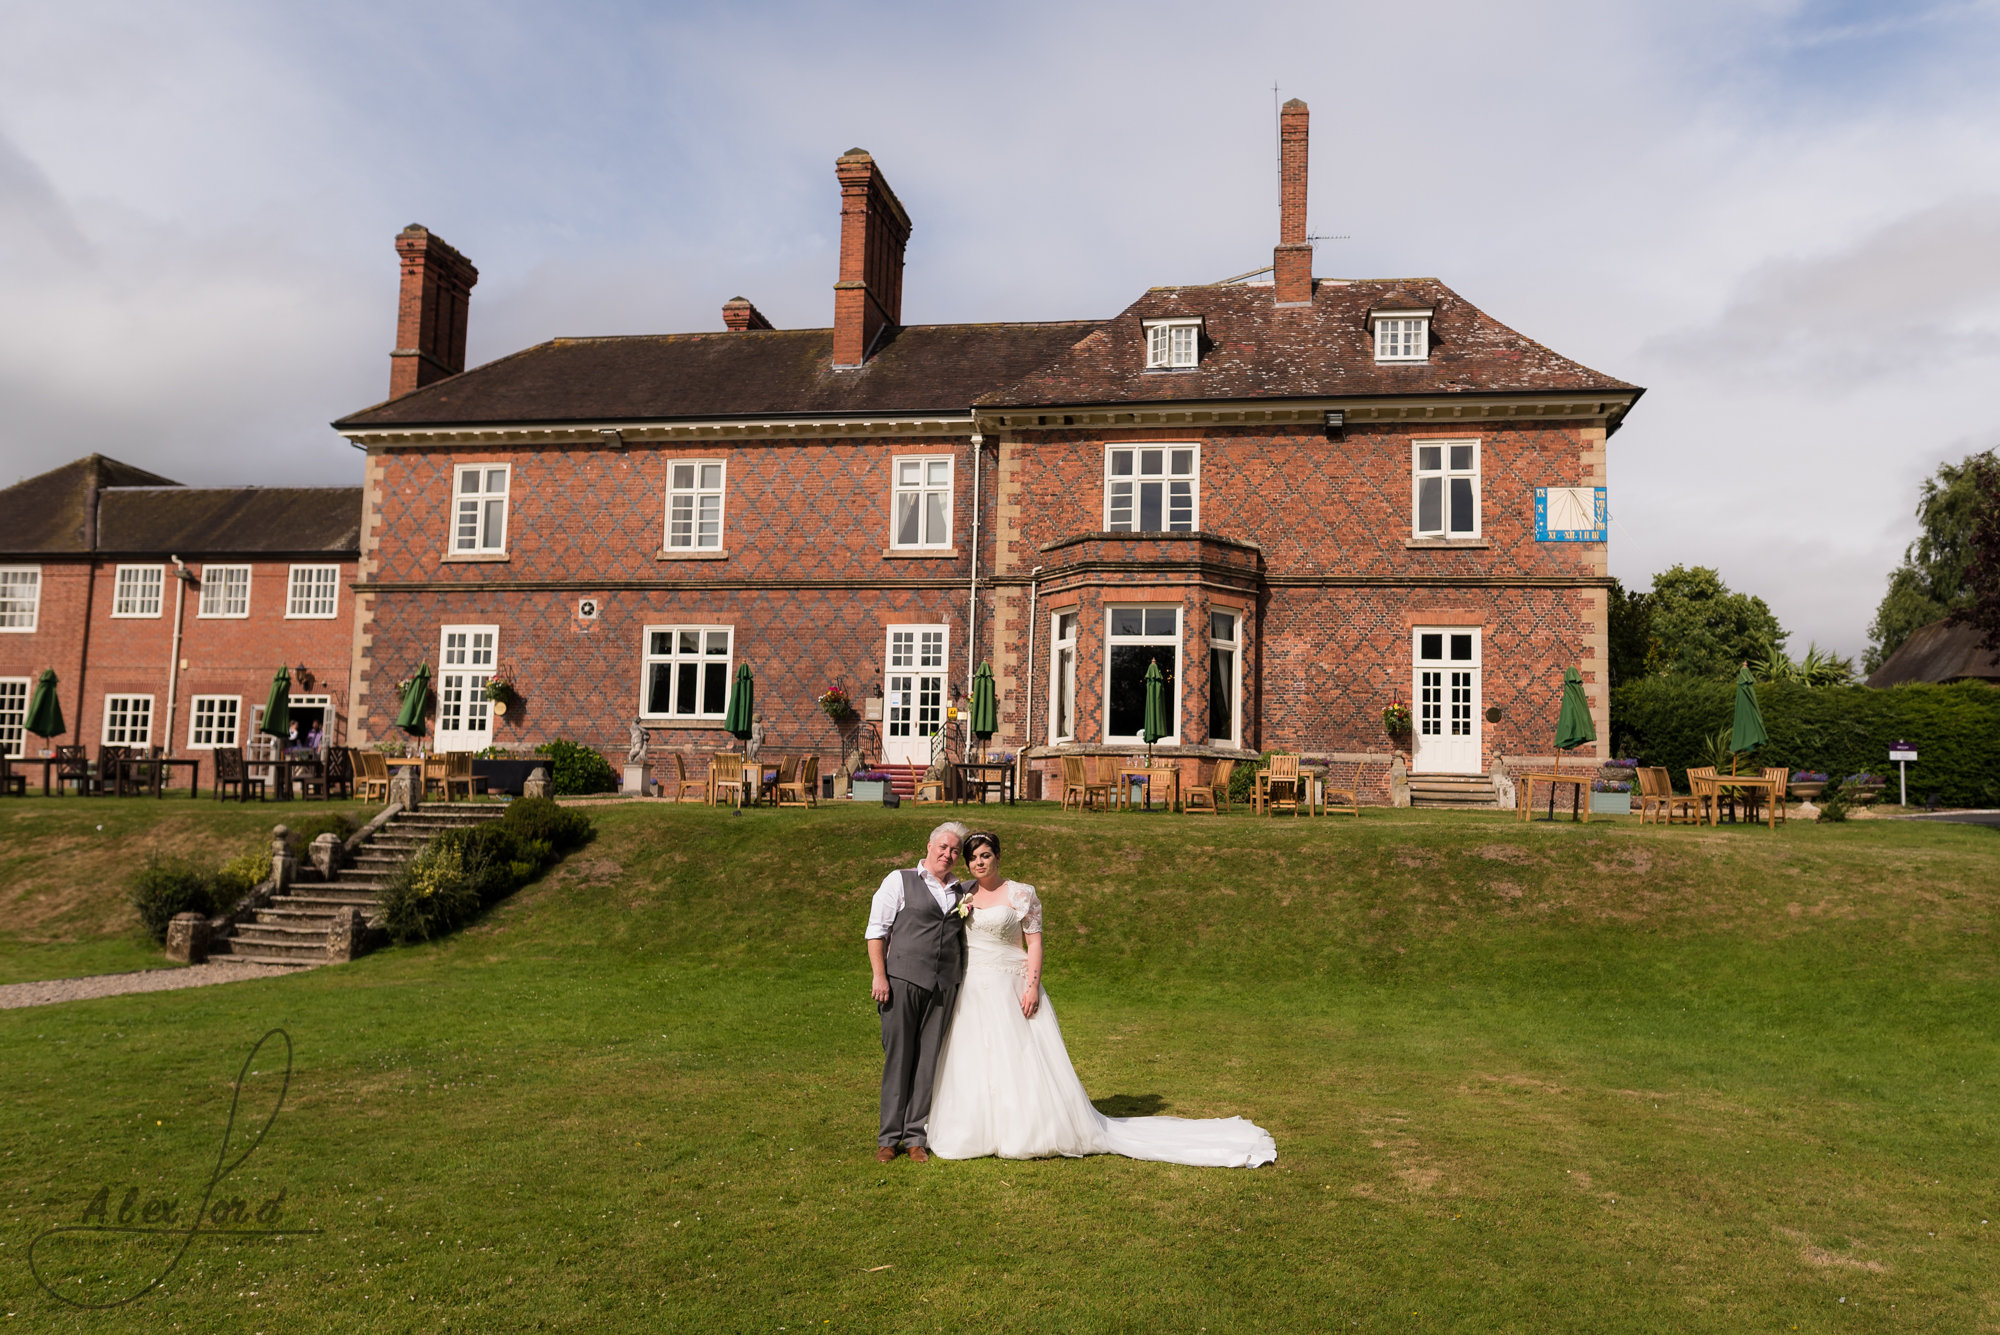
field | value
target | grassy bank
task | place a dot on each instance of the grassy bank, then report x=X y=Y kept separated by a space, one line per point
x=1521 y=1078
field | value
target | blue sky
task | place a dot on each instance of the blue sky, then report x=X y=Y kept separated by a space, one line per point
x=1782 y=218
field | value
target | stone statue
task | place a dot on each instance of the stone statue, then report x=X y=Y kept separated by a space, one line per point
x=635 y=749
x=756 y=743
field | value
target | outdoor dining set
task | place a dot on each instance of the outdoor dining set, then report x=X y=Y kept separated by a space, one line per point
x=1284 y=783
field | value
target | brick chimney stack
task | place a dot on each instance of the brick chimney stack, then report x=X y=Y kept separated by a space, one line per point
x=739 y=315
x=1294 y=254
x=873 y=231
x=430 y=319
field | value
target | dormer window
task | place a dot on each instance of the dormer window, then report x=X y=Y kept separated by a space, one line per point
x=1172 y=344
x=1402 y=334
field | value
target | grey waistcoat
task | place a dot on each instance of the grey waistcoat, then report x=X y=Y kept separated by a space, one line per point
x=926 y=944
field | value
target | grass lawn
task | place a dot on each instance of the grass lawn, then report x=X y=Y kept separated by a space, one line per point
x=1522 y=1078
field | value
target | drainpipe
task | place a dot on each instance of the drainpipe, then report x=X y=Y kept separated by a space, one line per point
x=1028 y=719
x=182 y=578
x=972 y=594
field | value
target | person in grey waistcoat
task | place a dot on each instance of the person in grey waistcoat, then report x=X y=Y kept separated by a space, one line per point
x=916 y=945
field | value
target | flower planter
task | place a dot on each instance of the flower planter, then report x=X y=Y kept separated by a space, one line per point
x=1805 y=792
x=1611 y=804
x=1862 y=794
x=867 y=790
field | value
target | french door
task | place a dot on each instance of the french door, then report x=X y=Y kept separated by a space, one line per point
x=913 y=709
x=464 y=714
x=1447 y=699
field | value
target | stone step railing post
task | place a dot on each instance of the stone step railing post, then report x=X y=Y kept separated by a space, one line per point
x=187 y=938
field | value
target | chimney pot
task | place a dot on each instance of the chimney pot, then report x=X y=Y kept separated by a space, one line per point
x=1293 y=285
x=739 y=315
x=874 y=230
x=430 y=316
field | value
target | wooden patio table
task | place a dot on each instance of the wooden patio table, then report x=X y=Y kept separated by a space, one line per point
x=1170 y=774
x=135 y=769
x=1721 y=781
x=1579 y=807
x=982 y=775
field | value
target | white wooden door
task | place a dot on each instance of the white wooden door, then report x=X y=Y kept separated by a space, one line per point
x=465 y=661
x=1446 y=699
x=913 y=686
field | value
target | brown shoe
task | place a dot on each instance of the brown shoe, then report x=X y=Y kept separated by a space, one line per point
x=918 y=1154
x=885 y=1154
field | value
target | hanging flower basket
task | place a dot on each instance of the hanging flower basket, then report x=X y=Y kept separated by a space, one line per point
x=500 y=690
x=1396 y=719
x=836 y=704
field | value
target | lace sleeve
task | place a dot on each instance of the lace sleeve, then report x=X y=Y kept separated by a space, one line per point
x=1027 y=907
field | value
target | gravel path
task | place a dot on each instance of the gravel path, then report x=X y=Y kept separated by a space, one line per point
x=146 y=980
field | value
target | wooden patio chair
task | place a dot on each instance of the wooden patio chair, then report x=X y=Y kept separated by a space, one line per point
x=1352 y=792
x=934 y=784
x=73 y=766
x=1783 y=779
x=684 y=788
x=802 y=788
x=455 y=772
x=374 y=776
x=1101 y=779
x=1211 y=795
x=1282 y=772
x=1703 y=788
x=788 y=771
x=339 y=771
x=309 y=780
x=111 y=769
x=725 y=774
x=1074 y=786
x=231 y=772
x=11 y=784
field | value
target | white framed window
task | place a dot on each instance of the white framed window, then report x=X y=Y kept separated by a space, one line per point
x=214 y=720
x=315 y=592
x=225 y=591
x=1444 y=479
x=466 y=655
x=1136 y=638
x=694 y=504
x=13 y=716
x=20 y=598
x=922 y=501
x=1402 y=336
x=686 y=671
x=128 y=720
x=479 y=514
x=1172 y=344
x=1062 y=676
x=137 y=592
x=1225 y=677
x=1152 y=488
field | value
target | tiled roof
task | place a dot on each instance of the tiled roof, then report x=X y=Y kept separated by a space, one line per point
x=230 y=521
x=774 y=373
x=50 y=514
x=1256 y=350
x=1940 y=651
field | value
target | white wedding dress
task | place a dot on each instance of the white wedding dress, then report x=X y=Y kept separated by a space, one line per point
x=1005 y=1086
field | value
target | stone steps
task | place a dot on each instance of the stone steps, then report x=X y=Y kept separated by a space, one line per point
x=291 y=930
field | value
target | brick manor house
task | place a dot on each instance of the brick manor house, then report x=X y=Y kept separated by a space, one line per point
x=1303 y=498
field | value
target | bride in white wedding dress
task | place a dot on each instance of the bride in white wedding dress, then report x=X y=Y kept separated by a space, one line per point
x=1004 y=1083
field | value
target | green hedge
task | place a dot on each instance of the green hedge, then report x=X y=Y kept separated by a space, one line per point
x=1840 y=729
x=577 y=770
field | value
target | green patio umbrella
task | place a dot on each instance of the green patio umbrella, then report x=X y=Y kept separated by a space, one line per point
x=1573 y=727
x=1156 y=707
x=738 y=718
x=278 y=709
x=45 y=718
x=985 y=707
x=411 y=718
x=1746 y=730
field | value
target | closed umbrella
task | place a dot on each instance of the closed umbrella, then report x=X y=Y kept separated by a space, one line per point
x=738 y=718
x=1746 y=730
x=1156 y=708
x=1573 y=726
x=278 y=708
x=985 y=706
x=45 y=718
x=411 y=717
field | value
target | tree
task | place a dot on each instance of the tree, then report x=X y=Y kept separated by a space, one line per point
x=1632 y=646
x=1930 y=584
x=1701 y=629
x=1981 y=607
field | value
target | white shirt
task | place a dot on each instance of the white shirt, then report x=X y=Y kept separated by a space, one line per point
x=889 y=901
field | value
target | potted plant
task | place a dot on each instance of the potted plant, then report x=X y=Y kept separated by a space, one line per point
x=1620 y=771
x=1862 y=789
x=1396 y=722
x=868 y=785
x=1610 y=797
x=836 y=703
x=1807 y=784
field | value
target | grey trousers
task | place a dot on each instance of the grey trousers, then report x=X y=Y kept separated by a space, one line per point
x=913 y=1024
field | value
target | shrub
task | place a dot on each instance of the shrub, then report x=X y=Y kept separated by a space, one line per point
x=166 y=886
x=1833 y=729
x=540 y=818
x=238 y=877
x=1243 y=780
x=446 y=883
x=577 y=769
x=433 y=893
